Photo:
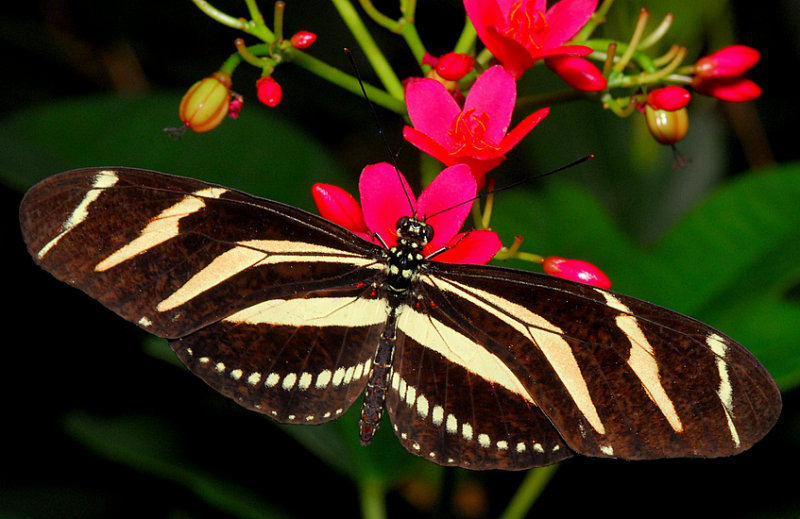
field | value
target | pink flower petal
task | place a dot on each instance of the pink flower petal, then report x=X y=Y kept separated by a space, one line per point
x=453 y=186
x=565 y=19
x=523 y=128
x=475 y=247
x=431 y=108
x=385 y=196
x=428 y=145
x=513 y=55
x=494 y=93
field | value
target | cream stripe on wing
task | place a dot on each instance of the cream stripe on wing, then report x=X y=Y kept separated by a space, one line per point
x=103 y=180
x=642 y=361
x=460 y=349
x=252 y=253
x=725 y=389
x=314 y=311
x=162 y=228
x=545 y=335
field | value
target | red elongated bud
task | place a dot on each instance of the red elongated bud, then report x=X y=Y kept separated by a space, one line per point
x=206 y=103
x=731 y=89
x=454 y=66
x=576 y=270
x=577 y=72
x=667 y=127
x=669 y=98
x=339 y=206
x=728 y=62
x=303 y=39
x=269 y=91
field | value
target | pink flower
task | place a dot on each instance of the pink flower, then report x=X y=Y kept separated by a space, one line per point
x=520 y=32
x=476 y=135
x=385 y=198
x=576 y=270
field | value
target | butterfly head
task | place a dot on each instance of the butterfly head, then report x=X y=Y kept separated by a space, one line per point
x=413 y=232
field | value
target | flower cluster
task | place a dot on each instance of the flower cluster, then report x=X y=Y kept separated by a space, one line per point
x=460 y=110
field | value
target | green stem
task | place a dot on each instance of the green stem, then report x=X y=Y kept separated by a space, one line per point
x=466 y=41
x=371 y=50
x=409 y=32
x=348 y=82
x=378 y=17
x=216 y=14
x=371 y=496
x=531 y=488
x=255 y=13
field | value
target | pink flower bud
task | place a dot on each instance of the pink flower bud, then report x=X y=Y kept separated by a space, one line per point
x=269 y=91
x=235 y=106
x=576 y=270
x=453 y=66
x=303 y=39
x=731 y=89
x=728 y=62
x=669 y=98
x=577 y=72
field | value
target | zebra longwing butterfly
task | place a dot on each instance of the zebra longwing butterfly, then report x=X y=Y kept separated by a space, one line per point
x=478 y=366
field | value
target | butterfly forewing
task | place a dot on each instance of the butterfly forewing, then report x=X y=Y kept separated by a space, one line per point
x=485 y=367
x=174 y=254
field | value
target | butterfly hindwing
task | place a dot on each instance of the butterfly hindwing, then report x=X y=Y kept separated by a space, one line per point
x=303 y=360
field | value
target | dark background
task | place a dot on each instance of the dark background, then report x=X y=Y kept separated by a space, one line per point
x=70 y=369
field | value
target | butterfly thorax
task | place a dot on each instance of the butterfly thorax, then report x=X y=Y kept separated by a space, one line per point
x=405 y=258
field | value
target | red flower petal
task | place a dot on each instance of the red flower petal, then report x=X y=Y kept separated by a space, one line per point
x=428 y=145
x=513 y=55
x=522 y=129
x=339 y=206
x=475 y=247
x=385 y=196
x=453 y=186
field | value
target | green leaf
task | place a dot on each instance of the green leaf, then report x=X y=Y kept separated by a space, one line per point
x=258 y=153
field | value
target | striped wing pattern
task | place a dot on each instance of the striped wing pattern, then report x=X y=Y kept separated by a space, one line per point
x=615 y=376
x=282 y=311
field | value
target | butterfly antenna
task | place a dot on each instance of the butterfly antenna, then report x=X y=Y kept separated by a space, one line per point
x=514 y=184
x=379 y=126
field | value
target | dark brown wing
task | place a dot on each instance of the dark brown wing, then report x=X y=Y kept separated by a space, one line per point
x=615 y=376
